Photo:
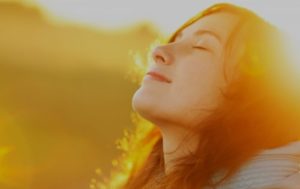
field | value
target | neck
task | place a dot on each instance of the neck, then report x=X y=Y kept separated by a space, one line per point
x=177 y=143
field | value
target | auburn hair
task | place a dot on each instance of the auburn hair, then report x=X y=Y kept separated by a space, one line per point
x=259 y=110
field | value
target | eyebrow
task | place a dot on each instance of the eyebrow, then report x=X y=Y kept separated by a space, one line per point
x=202 y=32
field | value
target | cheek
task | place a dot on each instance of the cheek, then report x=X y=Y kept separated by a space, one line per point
x=197 y=85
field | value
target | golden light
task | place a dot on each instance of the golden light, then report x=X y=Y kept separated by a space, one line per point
x=131 y=159
x=167 y=15
x=59 y=41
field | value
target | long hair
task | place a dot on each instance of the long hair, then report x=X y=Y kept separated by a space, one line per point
x=259 y=110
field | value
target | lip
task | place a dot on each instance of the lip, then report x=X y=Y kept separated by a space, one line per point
x=158 y=76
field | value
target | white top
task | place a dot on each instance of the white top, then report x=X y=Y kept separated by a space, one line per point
x=266 y=168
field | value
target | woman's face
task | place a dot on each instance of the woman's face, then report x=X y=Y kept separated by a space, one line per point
x=187 y=73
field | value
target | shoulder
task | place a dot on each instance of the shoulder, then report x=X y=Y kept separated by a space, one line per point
x=269 y=167
x=287 y=154
x=292 y=148
x=291 y=182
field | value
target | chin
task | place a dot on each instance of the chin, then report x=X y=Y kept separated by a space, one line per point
x=140 y=103
x=145 y=105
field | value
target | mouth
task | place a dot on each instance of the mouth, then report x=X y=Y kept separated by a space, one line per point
x=158 y=77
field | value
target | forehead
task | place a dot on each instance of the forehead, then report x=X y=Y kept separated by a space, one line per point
x=221 y=24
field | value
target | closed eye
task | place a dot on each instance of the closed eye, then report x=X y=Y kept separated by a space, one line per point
x=200 y=48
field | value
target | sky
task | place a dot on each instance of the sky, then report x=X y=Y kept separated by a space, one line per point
x=166 y=14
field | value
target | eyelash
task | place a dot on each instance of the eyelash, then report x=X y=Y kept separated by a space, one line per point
x=200 y=48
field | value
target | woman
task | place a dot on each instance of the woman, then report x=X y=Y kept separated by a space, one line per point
x=224 y=111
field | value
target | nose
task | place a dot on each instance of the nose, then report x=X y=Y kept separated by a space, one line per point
x=161 y=56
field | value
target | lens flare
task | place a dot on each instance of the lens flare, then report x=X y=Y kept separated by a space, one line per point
x=135 y=148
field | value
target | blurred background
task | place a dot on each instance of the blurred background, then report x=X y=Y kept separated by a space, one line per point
x=66 y=80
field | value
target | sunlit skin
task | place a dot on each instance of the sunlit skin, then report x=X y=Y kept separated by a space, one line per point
x=194 y=65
